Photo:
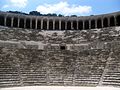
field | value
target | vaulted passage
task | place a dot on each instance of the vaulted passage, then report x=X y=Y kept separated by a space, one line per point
x=75 y=25
x=92 y=24
x=21 y=24
x=45 y=24
x=80 y=25
x=99 y=23
x=51 y=25
x=2 y=20
x=86 y=24
x=62 y=25
x=56 y=25
x=28 y=23
x=112 y=21
x=15 y=22
x=118 y=20
x=8 y=21
x=39 y=24
x=33 y=24
x=68 y=25
x=105 y=22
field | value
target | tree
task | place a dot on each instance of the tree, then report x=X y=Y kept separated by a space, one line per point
x=35 y=13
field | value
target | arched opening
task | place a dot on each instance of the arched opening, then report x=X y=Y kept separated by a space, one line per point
x=8 y=21
x=92 y=24
x=28 y=23
x=39 y=24
x=56 y=25
x=68 y=25
x=87 y=24
x=45 y=24
x=62 y=25
x=50 y=24
x=75 y=25
x=80 y=25
x=33 y=24
x=21 y=23
x=118 y=20
x=15 y=22
x=2 y=20
x=112 y=21
x=105 y=22
x=99 y=23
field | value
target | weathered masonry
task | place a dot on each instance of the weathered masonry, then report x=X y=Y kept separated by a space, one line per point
x=59 y=23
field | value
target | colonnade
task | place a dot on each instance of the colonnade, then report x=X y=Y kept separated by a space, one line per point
x=59 y=23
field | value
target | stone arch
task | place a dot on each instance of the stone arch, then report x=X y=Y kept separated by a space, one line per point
x=45 y=24
x=92 y=24
x=75 y=25
x=62 y=25
x=2 y=20
x=99 y=23
x=51 y=24
x=105 y=22
x=21 y=24
x=68 y=25
x=80 y=25
x=28 y=23
x=118 y=20
x=56 y=25
x=33 y=23
x=86 y=24
x=39 y=24
x=8 y=21
x=112 y=21
x=15 y=22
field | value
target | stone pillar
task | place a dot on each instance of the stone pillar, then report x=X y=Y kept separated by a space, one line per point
x=72 y=25
x=59 y=24
x=47 y=24
x=89 y=24
x=83 y=25
x=77 y=24
x=25 y=23
x=115 y=20
x=12 y=22
x=108 y=21
x=102 y=22
x=5 y=21
x=65 y=25
x=41 y=24
x=31 y=23
x=36 y=23
x=95 y=23
x=18 y=22
x=53 y=24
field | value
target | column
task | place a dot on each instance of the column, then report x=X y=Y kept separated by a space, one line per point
x=53 y=24
x=25 y=23
x=83 y=25
x=65 y=25
x=18 y=22
x=12 y=22
x=72 y=25
x=89 y=24
x=115 y=20
x=47 y=24
x=41 y=24
x=31 y=23
x=77 y=24
x=108 y=21
x=5 y=21
x=59 y=24
x=102 y=22
x=36 y=23
x=95 y=23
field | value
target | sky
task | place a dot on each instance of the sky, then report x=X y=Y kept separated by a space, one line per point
x=64 y=7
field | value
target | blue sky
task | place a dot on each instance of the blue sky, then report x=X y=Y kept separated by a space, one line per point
x=65 y=7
